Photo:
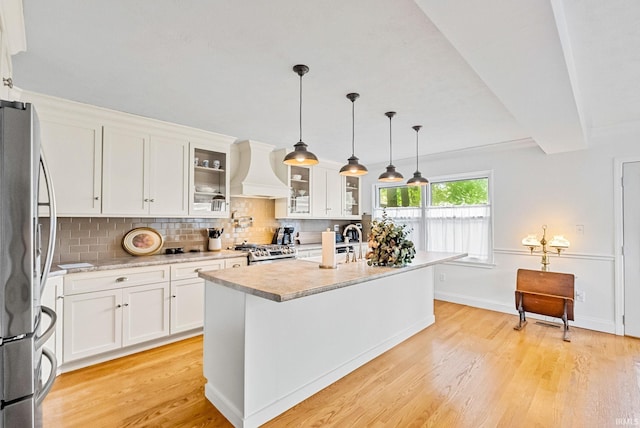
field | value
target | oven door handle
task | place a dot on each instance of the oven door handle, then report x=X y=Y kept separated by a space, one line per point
x=46 y=387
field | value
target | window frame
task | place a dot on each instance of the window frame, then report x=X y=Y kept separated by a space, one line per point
x=426 y=200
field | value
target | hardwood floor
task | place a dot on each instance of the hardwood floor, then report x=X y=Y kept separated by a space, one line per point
x=470 y=369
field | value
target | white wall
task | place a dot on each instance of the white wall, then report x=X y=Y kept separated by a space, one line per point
x=531 y=188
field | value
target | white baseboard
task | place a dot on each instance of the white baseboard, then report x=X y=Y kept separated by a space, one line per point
x=596 y=324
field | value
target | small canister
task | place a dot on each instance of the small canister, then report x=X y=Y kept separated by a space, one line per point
x=215 y=244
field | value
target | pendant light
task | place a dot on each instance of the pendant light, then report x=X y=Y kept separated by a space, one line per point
x=300 y=155
x=390 y=175
x=353 y=167
x=417 y=179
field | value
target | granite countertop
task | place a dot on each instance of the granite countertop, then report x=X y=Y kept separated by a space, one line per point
x=297 y=278
x=133 y=261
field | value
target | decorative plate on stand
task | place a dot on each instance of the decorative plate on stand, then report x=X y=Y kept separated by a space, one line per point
x=142 y=241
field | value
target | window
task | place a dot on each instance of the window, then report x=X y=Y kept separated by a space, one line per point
x=451 y=214
x=458 y=217
x=404 y=204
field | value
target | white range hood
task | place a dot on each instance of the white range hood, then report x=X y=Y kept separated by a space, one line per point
x=253 y=171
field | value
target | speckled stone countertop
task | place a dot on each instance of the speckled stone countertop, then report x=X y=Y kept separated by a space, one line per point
x=160 y=259
x=293 y=279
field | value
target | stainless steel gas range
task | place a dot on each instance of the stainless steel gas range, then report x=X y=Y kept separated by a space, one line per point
x=267 y=253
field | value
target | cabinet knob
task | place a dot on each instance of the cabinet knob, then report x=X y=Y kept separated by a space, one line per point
x=60 y=297
x=118 y=306
x=96 y=198
x=174 y=296
x=146 y=199
x=197 y=269
x=126 y=304
x=122 y=279
x=152 y=200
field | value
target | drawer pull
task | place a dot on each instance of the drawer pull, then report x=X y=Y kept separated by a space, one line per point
x=125 y=305
x=174 y=296
x=237 y=265
x=197 y=269
x=122 y=279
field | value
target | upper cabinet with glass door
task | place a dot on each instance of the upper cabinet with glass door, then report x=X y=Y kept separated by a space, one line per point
x=351 y=197
x=209 y=180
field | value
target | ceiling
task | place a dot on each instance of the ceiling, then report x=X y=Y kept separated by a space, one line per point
x=472 y=72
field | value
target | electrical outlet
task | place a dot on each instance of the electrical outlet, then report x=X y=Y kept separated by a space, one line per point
x=443 y=277
x=580 y=295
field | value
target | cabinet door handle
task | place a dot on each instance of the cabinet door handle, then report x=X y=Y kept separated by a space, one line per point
x=118 y=306
x=174 y=296
x=237 y=265
x=60 y=297
x=197 y=269
x=152 y=200
x=122 y=279
x=126 y=304
x=96 y=198
x=146 y=199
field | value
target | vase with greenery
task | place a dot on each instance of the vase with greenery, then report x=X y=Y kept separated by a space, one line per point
x=388 y=244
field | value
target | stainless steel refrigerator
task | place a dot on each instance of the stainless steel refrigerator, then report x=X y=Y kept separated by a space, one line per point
x=24 y=267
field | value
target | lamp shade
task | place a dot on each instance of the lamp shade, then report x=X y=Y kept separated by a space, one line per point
x=390 y=175
x=300 y=156
x=559 y=242
x=531 y=241
x=353 y=168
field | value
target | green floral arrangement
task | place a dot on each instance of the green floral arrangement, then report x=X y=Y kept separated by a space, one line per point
x=388 y=244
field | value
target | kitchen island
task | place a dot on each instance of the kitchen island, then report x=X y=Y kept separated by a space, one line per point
x=275 y=334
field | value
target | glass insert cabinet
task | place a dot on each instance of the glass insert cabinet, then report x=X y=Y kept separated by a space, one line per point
x=300 y=190
x=351 y=202
x=209 y=181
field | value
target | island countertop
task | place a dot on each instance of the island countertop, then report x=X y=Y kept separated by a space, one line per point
x=293 y=279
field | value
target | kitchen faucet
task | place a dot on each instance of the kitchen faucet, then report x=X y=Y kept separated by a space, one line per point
x=346 y=229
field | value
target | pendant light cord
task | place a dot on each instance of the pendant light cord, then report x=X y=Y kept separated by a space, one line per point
x=417 y=130
x=301 y=107
x=390 y=145
x=353 y=128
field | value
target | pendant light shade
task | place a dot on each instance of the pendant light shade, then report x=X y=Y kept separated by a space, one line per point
x=300 y=155
x=353 y=168
x=390 y=175
x=417 y=179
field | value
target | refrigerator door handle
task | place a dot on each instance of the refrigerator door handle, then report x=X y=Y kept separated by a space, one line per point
x=41 y=339
x=46 y=387
x=53 y=222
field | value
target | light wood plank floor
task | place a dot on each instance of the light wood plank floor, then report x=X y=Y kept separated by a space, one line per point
x=470 y=369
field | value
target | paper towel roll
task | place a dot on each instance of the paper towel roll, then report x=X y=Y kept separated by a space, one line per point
x=328 y=250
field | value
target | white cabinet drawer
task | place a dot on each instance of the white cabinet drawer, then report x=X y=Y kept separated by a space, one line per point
x=112 y=279
x=236 y=262
x=191 y=269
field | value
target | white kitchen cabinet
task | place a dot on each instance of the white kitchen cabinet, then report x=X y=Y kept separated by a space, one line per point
x=92 y=324
x=209 y=178
x=187 y=291
x=143 y=174
x=351 y=193
x=327 y=192
x=300 y=200
x=145 y=313
x=107 y=310
x=73 y=150
x=103 y=321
